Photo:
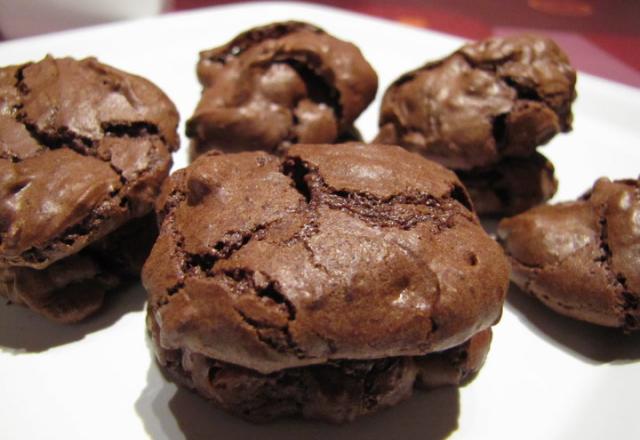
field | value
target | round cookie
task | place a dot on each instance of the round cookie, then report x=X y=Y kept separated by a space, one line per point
x=581 y=258
x=277 y=85
x=491 y=99
x=332 y=253
x=84 y=149
x=511 y=186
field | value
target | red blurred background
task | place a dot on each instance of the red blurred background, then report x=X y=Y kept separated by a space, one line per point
x=602 y=37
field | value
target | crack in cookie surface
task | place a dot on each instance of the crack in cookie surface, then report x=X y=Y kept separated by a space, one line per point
x=403 y=211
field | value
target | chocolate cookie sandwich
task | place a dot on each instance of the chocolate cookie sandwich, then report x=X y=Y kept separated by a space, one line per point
x=581 y=258
x=487 y=104
x=278 y=85
x=325 y=284
x=84 y=149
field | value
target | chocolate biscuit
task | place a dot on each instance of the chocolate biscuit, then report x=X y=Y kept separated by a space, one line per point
x=343 y=257
x=277 y=85
x=483 y=111
x=580 y=258
x=496 y=98
x=84 y=149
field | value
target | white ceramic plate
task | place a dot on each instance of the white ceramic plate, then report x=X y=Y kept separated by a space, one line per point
x=546 y=377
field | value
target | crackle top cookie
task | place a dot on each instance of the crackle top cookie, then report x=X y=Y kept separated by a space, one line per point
x=346 y=251
x=278 y=85
x=489 y=100
x=84 y=148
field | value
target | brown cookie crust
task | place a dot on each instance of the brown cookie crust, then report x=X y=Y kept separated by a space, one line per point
x=345 y=251
x=581 y=258
x=490 y=99
x=337 y=391
x=510 y=186
x=277 y=85
x=84 y=148
x=74 y=287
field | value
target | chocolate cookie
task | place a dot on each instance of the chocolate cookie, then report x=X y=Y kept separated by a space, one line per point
x=582 y=258
x=491 y=99
x=84 y=149
x=277 y=85
x=335 y=253
x=74 y=287
x=336 y=391
x=510 y=186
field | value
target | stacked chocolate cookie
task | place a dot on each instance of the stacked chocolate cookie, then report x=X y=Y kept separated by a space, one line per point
x=482 y=112
x=84 y=149
x=324 y=283
x=278 y=85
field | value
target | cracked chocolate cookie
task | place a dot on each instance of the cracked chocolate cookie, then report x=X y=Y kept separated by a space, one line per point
x=489 y=100
x=278 y=85
x=360 y=262
x=582 y=258
x=483 y=109
x=84 y=149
